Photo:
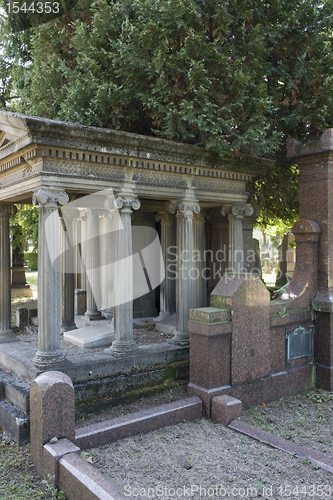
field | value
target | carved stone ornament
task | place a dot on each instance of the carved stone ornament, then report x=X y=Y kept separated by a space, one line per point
x=49 y=198
x=185 y=207
x=239 y=210
x=164 y=218
x=129 y=203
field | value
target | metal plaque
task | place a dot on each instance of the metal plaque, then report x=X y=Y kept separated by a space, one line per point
x=299 y=343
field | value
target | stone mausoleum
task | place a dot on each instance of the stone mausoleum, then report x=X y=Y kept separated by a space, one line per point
x=241 y=343
x=196 y=202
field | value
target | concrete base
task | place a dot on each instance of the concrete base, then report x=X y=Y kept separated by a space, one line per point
x=167 y=324
x=91 y=336
x=17 y=357
x=100 y=380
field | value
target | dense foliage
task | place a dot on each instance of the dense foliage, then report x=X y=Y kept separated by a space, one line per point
x=24 y=228
x=231 y=76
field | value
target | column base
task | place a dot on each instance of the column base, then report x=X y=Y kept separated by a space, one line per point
x=161 y=316
x=119 y=348
x=92 y=316
x=68 y=327
x=181 y=338
x=7 y=336
x=45 y=361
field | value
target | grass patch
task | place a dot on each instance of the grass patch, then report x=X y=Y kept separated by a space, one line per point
x=31 y=277
x=18 y=479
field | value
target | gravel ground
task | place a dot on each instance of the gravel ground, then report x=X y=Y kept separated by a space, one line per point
x=200 y=459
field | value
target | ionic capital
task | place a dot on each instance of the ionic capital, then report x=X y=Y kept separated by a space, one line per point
x=165 y=218
x=238 y=210
x=200 y=217
x=49 y=198
x=184 y=207
x=127 y=203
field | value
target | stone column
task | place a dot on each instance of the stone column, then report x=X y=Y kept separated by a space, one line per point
x=92 y=265
x=123 y=310
x=185 y=284
x=217 y=247
x=49 y=353
x=77 y=253
x=250 y=258
x=80 y=276
x=67 y=277
x=168 y=244
x=236 y=213
x=199 y=260
x=6 y=333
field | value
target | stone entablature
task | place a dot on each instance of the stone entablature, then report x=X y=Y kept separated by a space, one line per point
x=41 y=150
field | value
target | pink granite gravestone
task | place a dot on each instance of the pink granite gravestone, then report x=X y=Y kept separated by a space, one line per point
x=249 y=300
x=52 y=409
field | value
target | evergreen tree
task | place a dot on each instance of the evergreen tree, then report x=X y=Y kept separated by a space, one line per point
x=232 y=76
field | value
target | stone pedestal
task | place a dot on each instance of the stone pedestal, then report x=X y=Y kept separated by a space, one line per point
x=6 y=333
x=123 y=310
x=315 y=161
x=168 y=244
x=230 y=341
x=49 y=353
x=185 y=284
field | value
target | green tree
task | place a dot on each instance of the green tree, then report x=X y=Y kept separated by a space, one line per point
x=232 y=76
x=24 y=227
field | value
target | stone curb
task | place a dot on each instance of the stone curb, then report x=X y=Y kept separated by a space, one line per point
x=141 y=422
x=68 y=471
x=282 y=444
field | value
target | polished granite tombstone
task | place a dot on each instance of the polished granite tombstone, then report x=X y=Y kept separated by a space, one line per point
x=249 y=300
x=52 y=407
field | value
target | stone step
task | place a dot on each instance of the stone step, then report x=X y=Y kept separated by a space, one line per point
x=15 y=391
x=18 y=393
x=14 y=407
x=14 y=422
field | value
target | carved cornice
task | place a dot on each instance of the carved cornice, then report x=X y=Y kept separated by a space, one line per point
x=49 y=198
